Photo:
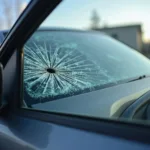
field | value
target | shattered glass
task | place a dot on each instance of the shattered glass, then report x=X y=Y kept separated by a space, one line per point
x=54 y=66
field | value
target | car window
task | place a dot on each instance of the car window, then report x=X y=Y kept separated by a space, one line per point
x=63 y=63
x=73 y=65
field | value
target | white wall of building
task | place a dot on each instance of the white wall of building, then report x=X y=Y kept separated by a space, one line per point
x=128 y=35
x=139 y=40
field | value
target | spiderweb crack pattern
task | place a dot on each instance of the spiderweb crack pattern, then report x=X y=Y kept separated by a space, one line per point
x=54 y=68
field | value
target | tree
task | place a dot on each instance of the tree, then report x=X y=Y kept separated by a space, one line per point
x=95 y=19
x=9 y=12
x=1 y=22
x=105 y=25
x=18 y=4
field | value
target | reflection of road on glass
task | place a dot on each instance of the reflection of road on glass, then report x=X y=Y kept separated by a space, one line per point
x=53 y=68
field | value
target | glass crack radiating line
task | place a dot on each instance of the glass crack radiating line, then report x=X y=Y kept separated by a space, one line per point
x=55 y=68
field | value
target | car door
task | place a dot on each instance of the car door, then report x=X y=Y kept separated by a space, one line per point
x=22 y=128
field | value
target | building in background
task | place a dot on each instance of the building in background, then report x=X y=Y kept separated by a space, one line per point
x=130 y=35
x=146 y=49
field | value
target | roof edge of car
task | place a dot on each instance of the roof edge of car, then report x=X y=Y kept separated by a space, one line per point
x=62 y=29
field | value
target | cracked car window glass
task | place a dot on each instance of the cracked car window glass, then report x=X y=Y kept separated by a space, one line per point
x=72 y=69
x=59 y=66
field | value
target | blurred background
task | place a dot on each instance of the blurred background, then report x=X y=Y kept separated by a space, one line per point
x=10 y=11
x=124 y=20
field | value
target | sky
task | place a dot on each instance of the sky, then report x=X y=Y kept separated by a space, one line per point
x=77 y=14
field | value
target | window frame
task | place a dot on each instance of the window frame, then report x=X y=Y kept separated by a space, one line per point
x=106 y=126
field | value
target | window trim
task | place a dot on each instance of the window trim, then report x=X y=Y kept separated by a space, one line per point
x=115 y=128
